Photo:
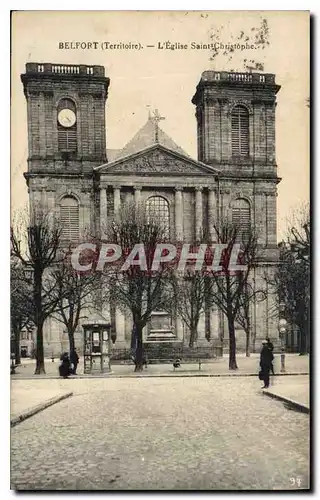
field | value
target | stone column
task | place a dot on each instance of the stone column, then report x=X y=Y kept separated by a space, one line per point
x=270 y=130
x=212 y=212
x=116 y=200
x=85 y=210
x=51 y=200
x=259 y=216
x=120 y=326
x=51 y=207
x=42 y=125
x=137 y=195
x=179 y=328
x=198 y=213
x=179 y=214
x=202 y=330
x=103 y=210
x=206 y=131
x=225 y=130
x=214 y=323
x=43 y=201
x=271 y=230
x=31 y=204
x=224 y=203
x=128 y=323
x=36 y=201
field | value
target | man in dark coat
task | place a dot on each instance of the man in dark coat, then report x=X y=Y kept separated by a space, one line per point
x=266 y=358
x=270 y=346
x=74 y=359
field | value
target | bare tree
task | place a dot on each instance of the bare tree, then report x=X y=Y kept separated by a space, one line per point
x=136 y=288
x=229 y=290
x=192 y=287
x=74 y=292
x=20 y=304
x=291 y=281
x=190 y=293
x=249 y=297
x=39 y=255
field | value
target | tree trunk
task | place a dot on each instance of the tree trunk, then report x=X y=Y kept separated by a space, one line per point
x=39 y=321
x=71 y=340
x=232 y=344
x=17 y=355
x=39 y=351
x=193 y=332
x=248 y=343
x=139 y=350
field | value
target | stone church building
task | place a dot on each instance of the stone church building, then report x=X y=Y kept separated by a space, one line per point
x=72 y=172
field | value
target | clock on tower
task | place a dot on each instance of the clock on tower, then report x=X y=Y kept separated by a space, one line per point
x=66 y=117
x=66 y=140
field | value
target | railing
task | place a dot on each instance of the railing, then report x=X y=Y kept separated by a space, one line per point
x=65 y=69
x=240 y=77
x=231 y=76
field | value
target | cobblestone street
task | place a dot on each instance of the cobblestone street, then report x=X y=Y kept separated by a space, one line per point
x=177 y=433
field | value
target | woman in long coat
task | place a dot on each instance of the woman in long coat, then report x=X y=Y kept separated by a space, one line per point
x=64 y=368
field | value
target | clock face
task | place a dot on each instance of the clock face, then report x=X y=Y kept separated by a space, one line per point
x=66 y=118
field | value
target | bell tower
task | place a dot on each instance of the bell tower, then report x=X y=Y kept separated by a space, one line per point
x=236 y=115
x=66 y=134
x=236 y=121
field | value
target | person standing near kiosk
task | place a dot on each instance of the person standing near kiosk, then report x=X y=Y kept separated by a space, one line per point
x=74 y=359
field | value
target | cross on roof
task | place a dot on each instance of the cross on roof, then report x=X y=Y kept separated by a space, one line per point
x=156 y=118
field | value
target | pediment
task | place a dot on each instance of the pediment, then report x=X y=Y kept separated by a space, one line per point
x=156 y=160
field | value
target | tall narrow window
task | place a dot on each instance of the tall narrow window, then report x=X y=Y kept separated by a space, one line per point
x=241 y=217
x=67 y=126
x=158 y=209
x=240 y=131
x=69 y=218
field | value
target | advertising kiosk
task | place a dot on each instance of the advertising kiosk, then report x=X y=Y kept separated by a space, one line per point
x=97 y=344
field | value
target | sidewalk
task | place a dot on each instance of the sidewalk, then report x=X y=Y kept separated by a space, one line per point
x=295 y=365
x=294 y=391
x=25 y=402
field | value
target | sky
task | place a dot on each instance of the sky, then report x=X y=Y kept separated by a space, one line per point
x=154 y=78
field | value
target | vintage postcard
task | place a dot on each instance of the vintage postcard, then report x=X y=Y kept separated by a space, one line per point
x=160 y=250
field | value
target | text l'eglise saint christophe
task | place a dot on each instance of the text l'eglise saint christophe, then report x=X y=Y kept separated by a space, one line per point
x=163 y=45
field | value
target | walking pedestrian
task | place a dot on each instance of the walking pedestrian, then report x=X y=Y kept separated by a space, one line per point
x=270 y=346
x=64 y=368
x=74 y=359
x=266 y=358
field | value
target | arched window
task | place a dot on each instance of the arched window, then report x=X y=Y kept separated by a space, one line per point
x=158 y=209
x=69 y=218
x=240 y=131
x=241 y=217
x=67 y=134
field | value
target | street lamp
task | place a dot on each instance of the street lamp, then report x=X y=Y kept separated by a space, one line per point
x=282 y=334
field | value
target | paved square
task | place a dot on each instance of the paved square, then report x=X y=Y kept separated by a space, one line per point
x=172 y=433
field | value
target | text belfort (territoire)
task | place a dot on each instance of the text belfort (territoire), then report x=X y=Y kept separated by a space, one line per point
x=164 y=45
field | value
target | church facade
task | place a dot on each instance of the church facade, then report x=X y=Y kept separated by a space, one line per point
x=72 y=172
